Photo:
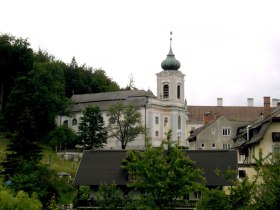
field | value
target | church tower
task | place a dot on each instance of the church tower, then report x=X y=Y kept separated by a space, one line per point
x=170 y=81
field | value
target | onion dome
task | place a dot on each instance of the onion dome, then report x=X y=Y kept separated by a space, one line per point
x=170 y=63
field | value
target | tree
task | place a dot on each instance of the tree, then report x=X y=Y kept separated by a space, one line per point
x=83 y=79
x=20 y=201
x=92 y=132
x=62 y=137
x=127 y=123
x=268 y=187
x=164 y=175
x=16 y=59
x=109 y=196
x=214 y=199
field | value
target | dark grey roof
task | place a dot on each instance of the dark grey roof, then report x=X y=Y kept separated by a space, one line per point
x=212 y=160
x=108 y=96
x=106 y=99
x=104 y=166
x=101 y=166
x=260 y=126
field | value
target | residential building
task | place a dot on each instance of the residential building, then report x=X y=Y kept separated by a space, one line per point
x=263 y=134
x=105 y=166
x=196 y=114
x=217 y=133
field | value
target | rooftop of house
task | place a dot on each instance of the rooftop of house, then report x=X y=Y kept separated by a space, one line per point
x=256 y=129
x=233 y=113
x=104 y=166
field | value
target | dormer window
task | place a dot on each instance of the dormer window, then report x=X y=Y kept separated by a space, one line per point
x=178 y=91
x=165 y=91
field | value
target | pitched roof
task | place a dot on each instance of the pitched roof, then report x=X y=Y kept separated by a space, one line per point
x=260 y=126
x=197 y=131
x=234 y=113
x=106 y=99
x=104 y=166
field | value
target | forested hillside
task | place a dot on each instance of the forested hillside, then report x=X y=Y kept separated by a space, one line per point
x=35 y=87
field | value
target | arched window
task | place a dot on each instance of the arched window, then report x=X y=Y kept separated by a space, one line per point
x=65 y=122
x=179 y=122
x=178 y=91
x=74 y=122
x=165 y=91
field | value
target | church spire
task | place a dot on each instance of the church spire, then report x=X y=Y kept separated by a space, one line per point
x=170 y=63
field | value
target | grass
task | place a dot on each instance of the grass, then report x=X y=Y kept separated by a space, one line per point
x=49 y=157
x=57 y=163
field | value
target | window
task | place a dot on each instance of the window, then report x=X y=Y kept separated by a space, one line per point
x=65 y=122
x=165 y=121
x=213 y=145
x=112 y=120
x=202 y=145
x=241 y=174
x=213 y=131
x=226 y=146
x=179 y=122
x=276 y=149
x=156 y=120
x=74 y=122
x=276 y=136
x=178 y=92
x=165 y=91
x=156 y=133
x=226 y=131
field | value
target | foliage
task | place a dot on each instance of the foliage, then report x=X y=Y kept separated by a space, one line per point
x=92 y=132
x=83 y=79
x=23 y=145
x=53 y=205
x=268 y=188
x=57 y=163
x=240 y=195
x=214 y=199
x=38 y=178
x=62 y=137
x=21 y=201
x=84 y=192
x=165 y=176
x=109 y=196
x=16 y=58
x=127 y=124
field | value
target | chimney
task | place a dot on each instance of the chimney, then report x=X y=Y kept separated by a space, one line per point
x=219 y=101
x=250 y=102
x=266 y=106
x=208 y=116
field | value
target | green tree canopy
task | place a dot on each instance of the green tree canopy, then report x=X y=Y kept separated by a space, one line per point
x=92 y=132
x=16 y=59
x=127 y=123
x=84 y=79
x=165 y=175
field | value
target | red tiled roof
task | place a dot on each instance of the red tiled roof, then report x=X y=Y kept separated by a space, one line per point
x=236 y=113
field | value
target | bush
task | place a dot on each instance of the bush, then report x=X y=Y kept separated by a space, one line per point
x=213 y=199
x=62 y=137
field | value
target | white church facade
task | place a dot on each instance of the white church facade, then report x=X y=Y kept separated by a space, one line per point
x=167 y=110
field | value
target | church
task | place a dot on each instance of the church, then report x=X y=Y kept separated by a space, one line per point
x=167 y=110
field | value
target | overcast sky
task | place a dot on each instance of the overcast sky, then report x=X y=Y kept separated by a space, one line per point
x=227 y=49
